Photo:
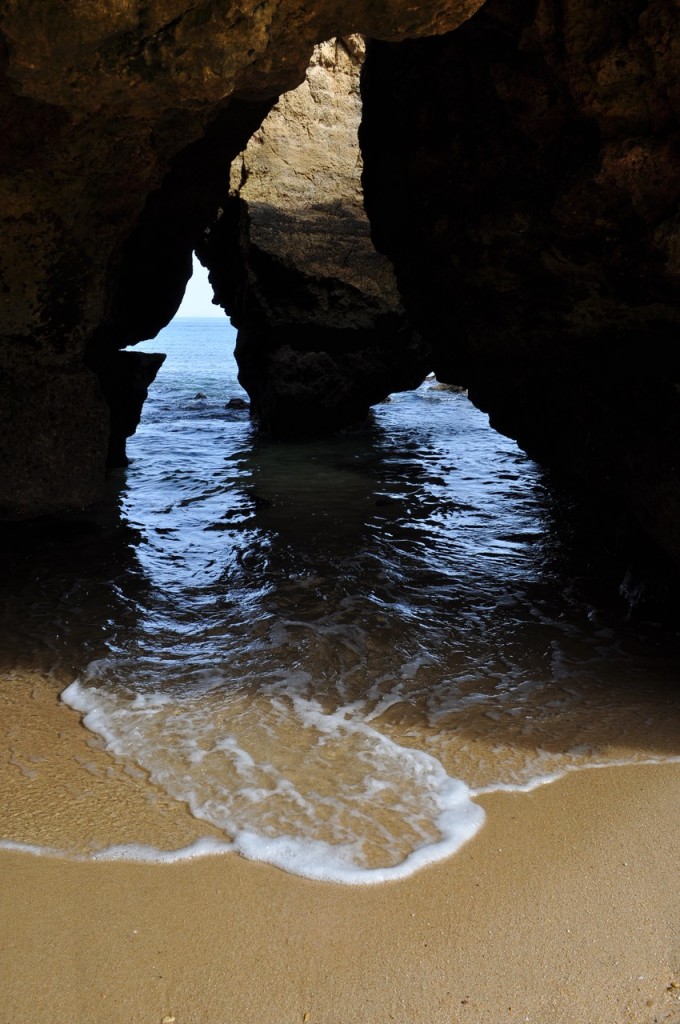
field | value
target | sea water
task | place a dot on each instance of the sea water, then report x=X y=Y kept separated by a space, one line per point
x=329 y=650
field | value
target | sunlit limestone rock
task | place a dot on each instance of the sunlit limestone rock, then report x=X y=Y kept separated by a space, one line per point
x=322 y=333
x=119 y=119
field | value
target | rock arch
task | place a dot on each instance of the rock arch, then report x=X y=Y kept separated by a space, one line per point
x=534 y=158
x=521 y=174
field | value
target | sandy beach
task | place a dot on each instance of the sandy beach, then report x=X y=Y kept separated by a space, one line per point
x=564 y=908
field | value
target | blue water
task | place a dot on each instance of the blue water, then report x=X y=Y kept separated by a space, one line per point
x=328 y=650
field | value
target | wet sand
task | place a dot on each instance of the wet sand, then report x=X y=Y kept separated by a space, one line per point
x=564 y=908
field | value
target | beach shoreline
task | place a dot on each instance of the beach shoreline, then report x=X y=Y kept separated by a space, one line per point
x=564 y=909
x=380 y=613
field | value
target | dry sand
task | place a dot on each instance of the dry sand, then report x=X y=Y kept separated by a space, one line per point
x=564 y=908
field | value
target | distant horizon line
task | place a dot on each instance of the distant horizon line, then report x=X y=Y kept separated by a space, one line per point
x=201 y=316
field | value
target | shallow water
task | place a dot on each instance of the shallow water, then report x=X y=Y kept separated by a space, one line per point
x=327 y=650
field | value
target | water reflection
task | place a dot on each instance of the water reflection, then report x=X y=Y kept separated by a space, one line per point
x=416 y=585
x=422 y=540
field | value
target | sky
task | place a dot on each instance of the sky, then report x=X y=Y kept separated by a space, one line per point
x=197 y=299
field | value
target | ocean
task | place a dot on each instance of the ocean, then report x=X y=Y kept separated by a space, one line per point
x=327 y=651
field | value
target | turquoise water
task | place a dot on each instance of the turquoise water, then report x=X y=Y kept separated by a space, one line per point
x=328 y=650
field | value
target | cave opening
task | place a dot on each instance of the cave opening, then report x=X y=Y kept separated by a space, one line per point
x=333 y=634
x=198 y=298
x=322 y=333
x=199 y=373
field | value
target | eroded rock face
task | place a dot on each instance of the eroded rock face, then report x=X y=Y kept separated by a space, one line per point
x=534 y=159
x=322 y=333
x=99 y=103
x=522 y=174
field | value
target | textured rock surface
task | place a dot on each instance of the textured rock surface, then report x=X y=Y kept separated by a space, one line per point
x=109 y=110
x=522 y=173
x=533 y=157
x=322 y=333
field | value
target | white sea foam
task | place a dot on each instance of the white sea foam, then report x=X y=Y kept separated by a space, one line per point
x=357 y=791
x=344 y=803
x=319 y=793
x=135 y=852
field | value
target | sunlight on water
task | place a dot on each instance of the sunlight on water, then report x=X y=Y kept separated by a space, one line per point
x=326 y=650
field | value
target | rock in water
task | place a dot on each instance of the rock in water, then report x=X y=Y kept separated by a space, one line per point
x=322 y=331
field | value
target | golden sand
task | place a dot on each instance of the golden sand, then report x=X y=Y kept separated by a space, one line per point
x=564 y=908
